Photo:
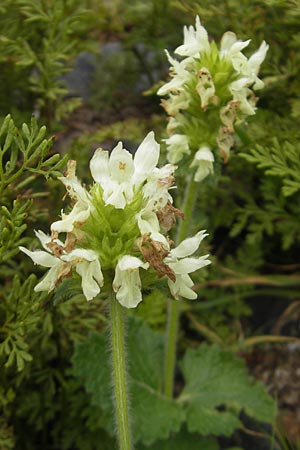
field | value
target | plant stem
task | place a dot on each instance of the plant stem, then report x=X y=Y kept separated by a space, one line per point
x=171 y=345
x=187 y=208
x=119 y=375
x=174 y=305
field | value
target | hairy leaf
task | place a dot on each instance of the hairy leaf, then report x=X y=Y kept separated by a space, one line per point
x=183 y=441
x=217 y=388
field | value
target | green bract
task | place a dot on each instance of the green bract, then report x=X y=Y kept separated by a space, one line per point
x=118 y=226
x=110 y=231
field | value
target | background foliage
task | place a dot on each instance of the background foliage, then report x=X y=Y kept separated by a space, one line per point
x=47 y=391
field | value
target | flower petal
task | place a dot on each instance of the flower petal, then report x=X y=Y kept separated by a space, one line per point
x=120 y=164
x=228 y=39
x=177 y=146
x=128 y=262
x=127 y=282
x=43 y=238
x=99 y=166
x=188 y=265
x=258 y=57
x=129 y=294
x=182 y=287
x=75 y=190
x=116 y=196
x=195 y=40
x=49 y=282
x=40 y=257
x=146 y=158
x=147 y=221
x=92 y=278
x=80 y=253
x=188 y=246
x=79 y=214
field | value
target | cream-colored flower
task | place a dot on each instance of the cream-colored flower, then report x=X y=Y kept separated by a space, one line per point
x=125 y=214
x=179 y=76
x=181 y=263
x=127 y=282
x=205 y=87
x=82 y=207
x=254 y=63
x=120 y=175
x=177 y=146
x=60 y=264
x=230 y=48
x=195 y=40
x=87 y=265
x=204 y=162
x=114 y=174
x=57 y=267
x=243 y=95
x=212 y=73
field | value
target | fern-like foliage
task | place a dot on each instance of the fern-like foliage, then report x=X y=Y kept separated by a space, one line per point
x=25 y=154
x=280 y=160
x=38 y=42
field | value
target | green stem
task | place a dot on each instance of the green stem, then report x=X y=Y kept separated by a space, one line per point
x=187 y=209
x=171 y=345
x=174 y=305
x=119 y=375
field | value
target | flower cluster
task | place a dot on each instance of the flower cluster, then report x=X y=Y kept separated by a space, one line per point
x=211 y=90
x=119 y=226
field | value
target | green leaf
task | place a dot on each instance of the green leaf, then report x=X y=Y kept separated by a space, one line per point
x=154 y=415
x=217 y=389
x=183 y=441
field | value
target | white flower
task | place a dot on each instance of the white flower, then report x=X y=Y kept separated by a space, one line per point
x=106 y=238
x=79 y=214
x=205 y=87
x=75 y=190
x=177 y=146
x=147 y=221
x=127 y=282
x=176 y=102
x=254 y=63
x=149 y=225
x=179 y=76
x=156 y=190
x=203 y=160
x=228 y=113
x=173 y=124
x=225 y=141
x=248 y=68
x=195 y=41
x=114 y=174
x=119 y=174
x=57 y=267
x=231 y=49
x=182 y=264
x=87 y=265
x=242 y=94
x=85 y=262
x=145 y=159
x=82 y=208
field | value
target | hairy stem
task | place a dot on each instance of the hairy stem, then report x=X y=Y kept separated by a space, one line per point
x=119 y=375
x=174 y=305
